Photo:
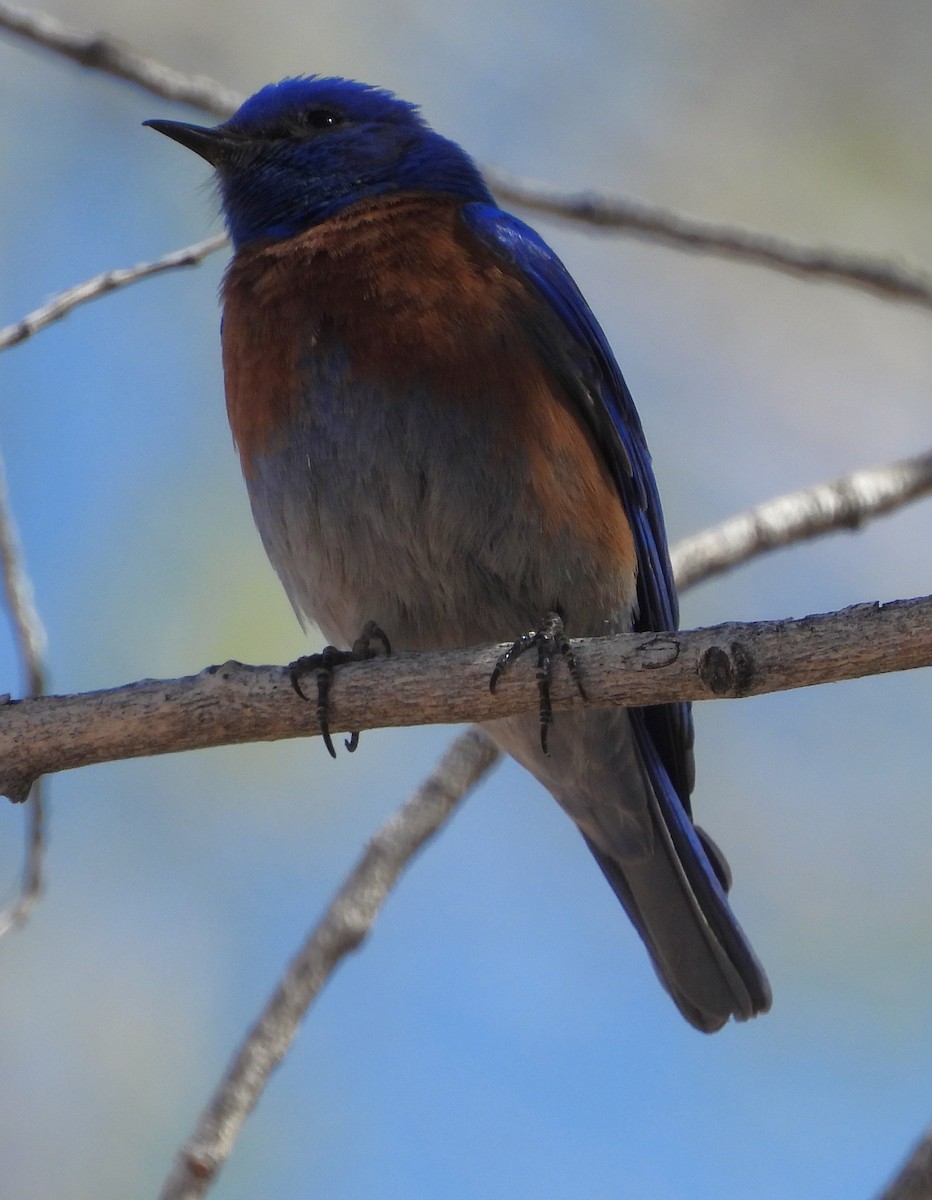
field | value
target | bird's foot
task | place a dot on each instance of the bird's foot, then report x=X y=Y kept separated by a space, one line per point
x=550 y=640
x=324 y=664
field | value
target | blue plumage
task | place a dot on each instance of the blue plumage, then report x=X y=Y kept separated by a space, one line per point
x=299 y=151
x=436 y=436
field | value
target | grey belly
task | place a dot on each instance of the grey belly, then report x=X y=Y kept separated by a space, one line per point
x=421 y=520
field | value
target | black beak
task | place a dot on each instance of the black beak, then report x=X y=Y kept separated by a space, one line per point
x=216 y=145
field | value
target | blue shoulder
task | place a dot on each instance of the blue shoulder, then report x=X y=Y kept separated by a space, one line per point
x=569 y=337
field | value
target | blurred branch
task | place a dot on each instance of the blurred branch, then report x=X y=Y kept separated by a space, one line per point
x=100 y=52
x=344 y=926
x=845 y=503
x=30 y=644
x=235 y=703
x=27 y=625
x=914 y=1180
x=110 y=281
x=877 y=275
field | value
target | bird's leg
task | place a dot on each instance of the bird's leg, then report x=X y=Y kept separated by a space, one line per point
x=324 y=665
x=550 y=639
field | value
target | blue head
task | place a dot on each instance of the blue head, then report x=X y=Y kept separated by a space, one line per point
x=298 y=151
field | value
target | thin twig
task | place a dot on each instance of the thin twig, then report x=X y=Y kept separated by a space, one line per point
x=30 y=644
x=344 y=926
x=62 y=304
x=845 y=503
x=877 y=275
x=100 y=52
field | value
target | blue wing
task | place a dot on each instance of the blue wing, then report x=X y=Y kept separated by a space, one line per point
x=726 y=978
x=570 y=339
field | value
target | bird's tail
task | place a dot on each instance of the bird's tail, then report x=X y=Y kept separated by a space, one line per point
x=606 y=772
x=676 y=897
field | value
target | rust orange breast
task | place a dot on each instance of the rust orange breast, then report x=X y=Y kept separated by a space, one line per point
x=411 y=299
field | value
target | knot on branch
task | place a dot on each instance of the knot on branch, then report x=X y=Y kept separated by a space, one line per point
x=201 y=1166
x=100 y=53
x=661 y=651
x=727 y=672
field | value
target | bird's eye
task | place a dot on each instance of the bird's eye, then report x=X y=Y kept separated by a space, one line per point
x=319 y=119
x=303 y=124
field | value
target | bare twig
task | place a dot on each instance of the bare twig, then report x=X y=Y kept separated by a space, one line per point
x=27 y=624
x=62 y=304
x=236 y=703
x=845 y=503
x=30 y=642
x=343 y=928
x=104 y=53
x=914 y=1179
x=877 y=275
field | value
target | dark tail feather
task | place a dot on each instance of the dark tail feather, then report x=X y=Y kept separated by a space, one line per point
x=677 y=901
x=700 y=954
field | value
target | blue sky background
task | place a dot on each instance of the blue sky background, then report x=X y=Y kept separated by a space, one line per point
x=502 y=1033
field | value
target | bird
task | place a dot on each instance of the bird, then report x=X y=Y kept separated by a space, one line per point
x=440 y=451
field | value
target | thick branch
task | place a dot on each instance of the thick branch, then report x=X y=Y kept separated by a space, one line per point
x=877 y=275
x=236 y=703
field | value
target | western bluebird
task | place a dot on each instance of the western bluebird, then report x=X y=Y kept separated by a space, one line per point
x=437 y=439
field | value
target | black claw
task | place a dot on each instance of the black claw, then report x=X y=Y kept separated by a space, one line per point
x=324 y=680
x=514 y=651
x=324 y=664
x=550 y=639
x=294 y=672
